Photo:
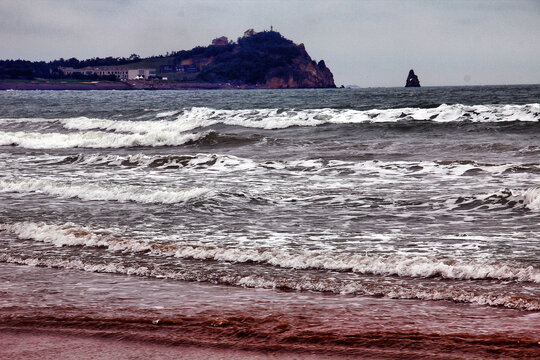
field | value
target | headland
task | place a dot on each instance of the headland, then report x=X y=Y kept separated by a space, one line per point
x=257 y=60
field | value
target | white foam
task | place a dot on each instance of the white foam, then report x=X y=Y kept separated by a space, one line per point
x=25 y=120
x=80 y=265
x=165 y=114
x=196 y=117
x=506 y=198
x=530 y=197
x=101 y=192
x=216 y=161
x=67 y=234
x=405 y=266
x=201 y=117
x=408 y=291
x=405 y=291
x=400 y=265
x=96 y=139
x=386 y=170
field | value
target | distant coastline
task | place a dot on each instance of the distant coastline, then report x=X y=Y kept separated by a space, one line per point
x=52 y=84
x=257 y=60
x=47 y=84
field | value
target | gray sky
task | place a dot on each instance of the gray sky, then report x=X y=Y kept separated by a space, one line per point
x=369 y=43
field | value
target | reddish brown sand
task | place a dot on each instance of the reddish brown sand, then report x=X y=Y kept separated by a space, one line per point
x=42 y=345
x=237 y=338
x=59 y=314
x=30 y=346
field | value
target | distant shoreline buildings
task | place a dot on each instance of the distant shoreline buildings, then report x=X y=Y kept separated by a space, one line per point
x=167 y=69
x=257 y=60
x=120 y=72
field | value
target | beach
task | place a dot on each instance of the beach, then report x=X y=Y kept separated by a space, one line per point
x=264 y=224
x=76 y=314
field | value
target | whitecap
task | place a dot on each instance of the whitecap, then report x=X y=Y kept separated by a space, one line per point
x=395 y=291
x=503 y=199
x=385 y=265
x=96 y=139
x=101 y=192
x=197 y=117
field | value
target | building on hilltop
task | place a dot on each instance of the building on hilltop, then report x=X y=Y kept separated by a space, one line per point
x=249 y=33
x=220 y=41
x=120 y=72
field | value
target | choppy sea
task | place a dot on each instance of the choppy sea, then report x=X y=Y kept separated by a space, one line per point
x=273 y=217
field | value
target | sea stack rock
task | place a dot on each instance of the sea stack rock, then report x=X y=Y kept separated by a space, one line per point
x=412 y=80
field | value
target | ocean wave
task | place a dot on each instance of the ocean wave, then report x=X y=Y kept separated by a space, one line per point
x=385 y=265
x=101 y=192
x=187 y=119
x=97 y=139
x=410 y=291
x=399 y=265
x=224 y=162
x=198 y=117
x=503 y=199
x=216 y=161
x=165 y=114
x=395 y=291
x=530 y=150
x=26 y=120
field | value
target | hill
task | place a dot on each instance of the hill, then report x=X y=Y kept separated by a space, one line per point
x=257 y=60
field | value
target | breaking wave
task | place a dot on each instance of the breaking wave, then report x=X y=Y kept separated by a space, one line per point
x=223 y=162
x=198 y=117
x=101 y=192
x=170 y=128
x=503 y=199
x=394 y=291
x=160 y=161
x=96 y=139
x=386 y=265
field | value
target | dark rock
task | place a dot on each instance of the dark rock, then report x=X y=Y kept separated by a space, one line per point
x=412 y=80
x=266 y=60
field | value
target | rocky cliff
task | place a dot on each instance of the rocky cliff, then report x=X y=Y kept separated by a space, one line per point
x=266 y=60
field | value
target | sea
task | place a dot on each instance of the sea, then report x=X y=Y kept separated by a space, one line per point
x=354 y=222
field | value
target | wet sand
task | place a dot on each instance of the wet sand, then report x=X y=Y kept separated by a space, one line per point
x=42 y=343
x=30 y=346
x=50 y=314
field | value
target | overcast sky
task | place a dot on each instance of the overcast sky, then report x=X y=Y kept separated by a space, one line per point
x=368 y=43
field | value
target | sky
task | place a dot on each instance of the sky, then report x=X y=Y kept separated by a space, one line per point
x=366 y=43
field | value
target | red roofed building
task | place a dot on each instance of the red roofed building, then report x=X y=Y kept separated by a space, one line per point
x=220 y=41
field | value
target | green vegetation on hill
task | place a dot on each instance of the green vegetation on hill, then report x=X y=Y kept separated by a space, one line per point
x=253 y=59
x=257 y=59
x=24 y=69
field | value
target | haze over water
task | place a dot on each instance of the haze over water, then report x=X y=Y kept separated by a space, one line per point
x=391 y=210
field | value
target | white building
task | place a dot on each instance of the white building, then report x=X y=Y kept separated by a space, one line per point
x=120 y=72
x=136 y=74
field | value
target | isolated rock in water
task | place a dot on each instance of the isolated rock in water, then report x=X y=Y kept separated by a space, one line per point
x=412 y=80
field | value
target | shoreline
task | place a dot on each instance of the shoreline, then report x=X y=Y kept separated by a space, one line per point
x=90 y=315
x=42 y=84
x=109 y=85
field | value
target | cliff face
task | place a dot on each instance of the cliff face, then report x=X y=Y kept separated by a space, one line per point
x=267 y=60
x=301 y=73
